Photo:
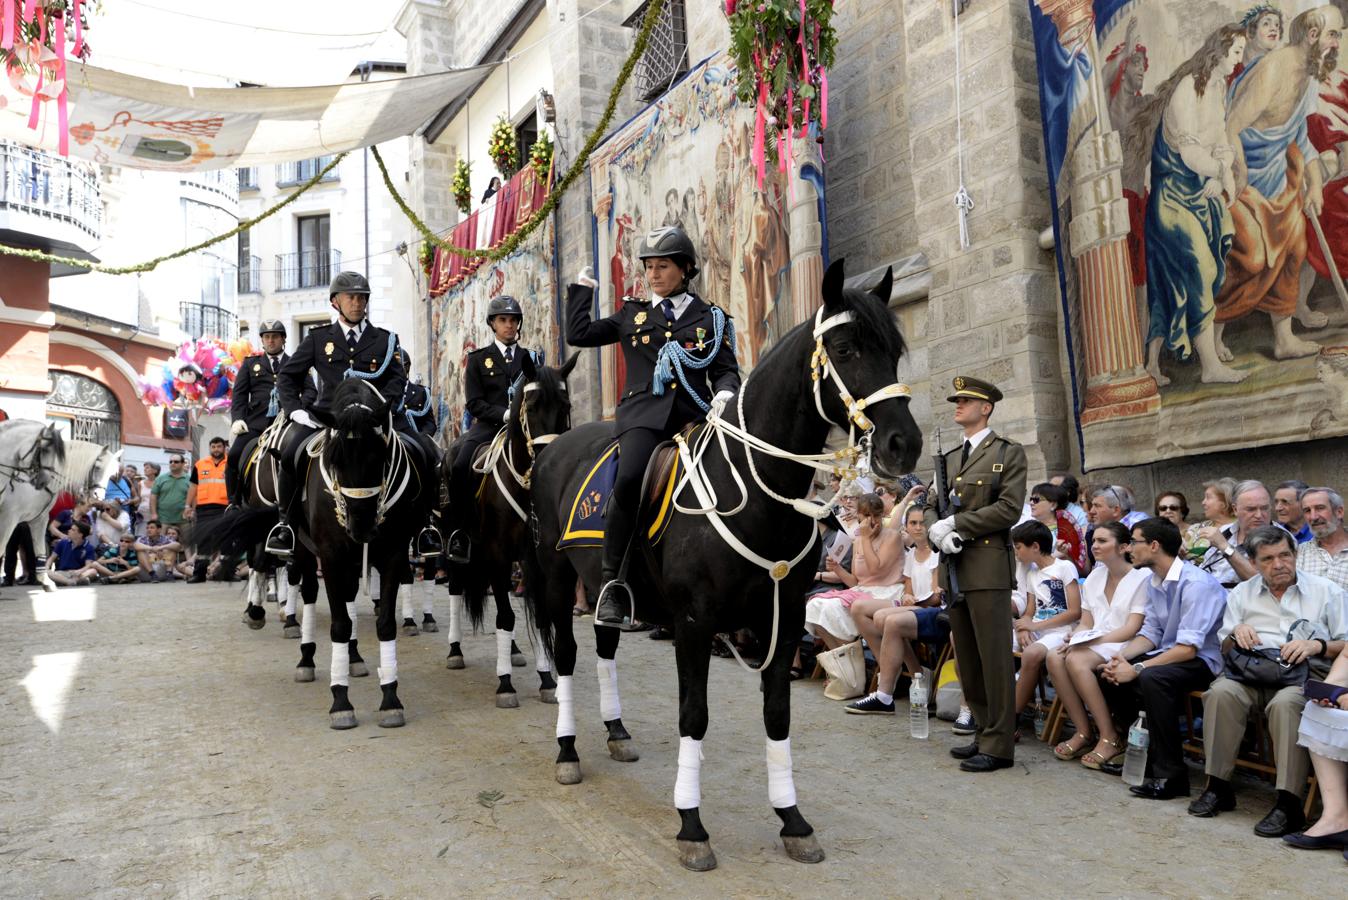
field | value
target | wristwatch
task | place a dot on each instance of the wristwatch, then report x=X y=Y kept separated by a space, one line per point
x=1228 y=551
x=1138 y=667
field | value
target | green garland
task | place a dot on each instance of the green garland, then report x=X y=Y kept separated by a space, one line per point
x=150 y=265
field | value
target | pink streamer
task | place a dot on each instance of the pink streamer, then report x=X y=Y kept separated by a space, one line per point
x=28 y=7
x=760 y=124
x=79 y=30
x=42 y=28
x=823 y=99
x=7 y=24
x=37 y=100
x=62 y=111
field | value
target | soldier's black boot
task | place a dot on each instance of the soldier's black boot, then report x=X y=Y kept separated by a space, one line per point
x=281 y=540
x=614 y=606
x=460 y=504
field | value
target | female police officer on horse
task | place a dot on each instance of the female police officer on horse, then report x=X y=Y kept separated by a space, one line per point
x=678 y=351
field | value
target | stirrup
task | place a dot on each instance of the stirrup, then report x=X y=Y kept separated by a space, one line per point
x=459 y=547
x=280 y=540
x=429 y=542
x=608 y=609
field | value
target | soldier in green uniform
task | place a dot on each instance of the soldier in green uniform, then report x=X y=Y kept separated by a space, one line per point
x=986 y=475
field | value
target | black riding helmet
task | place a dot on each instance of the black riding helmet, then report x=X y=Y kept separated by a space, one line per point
x=671 y=242
x=504 y=305
x=348 y=283
x=271 y=326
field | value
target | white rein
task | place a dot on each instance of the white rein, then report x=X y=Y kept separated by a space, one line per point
x=499 y=452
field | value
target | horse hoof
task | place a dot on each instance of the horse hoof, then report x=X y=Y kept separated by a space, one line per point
x=696 y=855
x=410 y=628
x=547 y=695
x=509 y=700
x=430 y=626
x=803 y=849
x=518 y=661
x=341 y=721
x=256 y=624
x=359 y=670
x=391 y=718
x=304 y=675
x=292 y=631
x=454 y=661
x=568 y=773
x=626 y=751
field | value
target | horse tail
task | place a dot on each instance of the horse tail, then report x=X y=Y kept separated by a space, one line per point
x=476 y=589
x=237 y=530
x=535 y=599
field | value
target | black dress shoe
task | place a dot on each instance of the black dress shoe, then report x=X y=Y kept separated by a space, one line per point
x=612 y=608
x=983 y=762
x=1162 y=790
x=966 y=751
x=1337 y=840
x=1280 y=821
x=459 y=548
x=1211 y=802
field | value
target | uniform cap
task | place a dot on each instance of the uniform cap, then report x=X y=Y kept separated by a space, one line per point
x=671 y=242
x=974 y=389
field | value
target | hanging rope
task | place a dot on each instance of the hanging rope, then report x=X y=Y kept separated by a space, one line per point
x=964 y=204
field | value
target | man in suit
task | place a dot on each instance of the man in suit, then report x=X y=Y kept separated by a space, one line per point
x=986 y=476
x=489 y=373
x=254 y=402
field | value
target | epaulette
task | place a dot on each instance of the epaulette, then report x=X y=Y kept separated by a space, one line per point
x=641 y=301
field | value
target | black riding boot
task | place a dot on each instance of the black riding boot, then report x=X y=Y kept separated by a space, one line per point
x=460 y=508
x=614 y=606
x=281 y=539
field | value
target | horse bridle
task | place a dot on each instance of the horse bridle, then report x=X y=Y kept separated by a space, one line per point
x=530 y=442
x=24 y=471
x=397 y=466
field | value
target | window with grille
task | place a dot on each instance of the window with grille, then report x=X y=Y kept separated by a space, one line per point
x=85 y=409
x=666 y=56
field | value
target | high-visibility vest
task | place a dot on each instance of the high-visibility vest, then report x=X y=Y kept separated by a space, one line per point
x=211 y=482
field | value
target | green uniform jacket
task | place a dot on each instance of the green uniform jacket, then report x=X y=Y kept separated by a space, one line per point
x=983 y=519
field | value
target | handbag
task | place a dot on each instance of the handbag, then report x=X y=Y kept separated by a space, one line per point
x=846 y=669
x=1263 y=666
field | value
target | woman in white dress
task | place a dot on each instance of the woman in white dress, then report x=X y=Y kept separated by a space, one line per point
x=1324 y=732
x=877 y=572
x=1113 y=599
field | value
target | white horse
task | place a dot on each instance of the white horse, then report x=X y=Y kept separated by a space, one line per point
x=37 y=464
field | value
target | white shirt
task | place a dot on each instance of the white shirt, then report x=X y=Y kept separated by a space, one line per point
x=1313 y=598
x=977 y=439
x=107 y=532
x=347 y=328
x=1110 y=613
x=502 y=347
x=679 y=301
x=921 y=575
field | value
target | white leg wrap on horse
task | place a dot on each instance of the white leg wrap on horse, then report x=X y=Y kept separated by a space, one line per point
x=503 y=639
x=388 y=662
x=609 y=707
x=289 y=592
x=543 y=659
x=405 y=599
x=255 y=589
x=428 y=597
x=455 y=618
x=308 y=623
x=566 y=710
x=374 y=584
x=341 y=663
x=351 y=614
x=688 y=783
x=781 y=786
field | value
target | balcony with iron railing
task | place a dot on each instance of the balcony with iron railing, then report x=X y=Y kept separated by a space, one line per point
x=306 y=269
x=250 y=279
x=203 y=320
x=293 y=173
x=50 y=199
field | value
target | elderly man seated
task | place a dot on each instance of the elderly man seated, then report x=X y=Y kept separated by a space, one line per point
x=1304 y=618
x=1226 y=559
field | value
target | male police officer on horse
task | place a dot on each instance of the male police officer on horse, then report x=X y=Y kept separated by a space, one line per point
x=672 y=323
x=255 y=401
x=350 y=347
x=417 y=407
x=488 y=376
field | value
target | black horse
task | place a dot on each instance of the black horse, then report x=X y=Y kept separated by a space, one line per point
x=540 y=410
x=696 y=580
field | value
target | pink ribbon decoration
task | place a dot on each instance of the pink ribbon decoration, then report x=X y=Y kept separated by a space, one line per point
x=7 y=24
x=62 y=111
x=79 y=30
x=823 y=99
x=37 y=100
x=29 y=7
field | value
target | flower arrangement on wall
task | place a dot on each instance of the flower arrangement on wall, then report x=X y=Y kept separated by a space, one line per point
x=426 y=256
x=502 y=149
x=462 y=186
x=540 y=155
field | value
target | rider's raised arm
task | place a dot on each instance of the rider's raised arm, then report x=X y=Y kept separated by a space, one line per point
x=290 y=380
x=581 y=328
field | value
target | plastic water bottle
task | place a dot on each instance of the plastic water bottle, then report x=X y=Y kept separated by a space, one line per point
x=1135 y=761
x=917 y=708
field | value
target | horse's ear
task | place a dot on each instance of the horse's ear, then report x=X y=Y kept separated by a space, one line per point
x=885 y=288
x=568 y=366
x=833 y=286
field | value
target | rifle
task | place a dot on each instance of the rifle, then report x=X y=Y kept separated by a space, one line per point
x=945 y=506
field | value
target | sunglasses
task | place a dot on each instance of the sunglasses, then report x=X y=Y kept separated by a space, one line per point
x=1166 y=507
x=1035 y=499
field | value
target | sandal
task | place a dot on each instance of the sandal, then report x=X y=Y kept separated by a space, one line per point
x=1096 y=760
x=1065 y=750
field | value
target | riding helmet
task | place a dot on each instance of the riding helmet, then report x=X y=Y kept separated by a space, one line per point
x=271 y=326
x=671 y=242
x=504 y=305
x=405 y=358
x=348 y=283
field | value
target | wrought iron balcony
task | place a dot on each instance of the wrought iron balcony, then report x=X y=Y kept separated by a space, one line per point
x=48 y=200
x=292 y=173
x=250 y=279
x=201 y=320
x=306 y=269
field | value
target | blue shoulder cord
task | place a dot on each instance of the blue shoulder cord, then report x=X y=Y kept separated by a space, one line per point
x=274 y=401
x=414 y=414
x=673 y=357
x=378 y=373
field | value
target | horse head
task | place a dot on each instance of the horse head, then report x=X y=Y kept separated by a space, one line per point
x=857 y=382
x=106 y=465
x=541 y=409
x=360 y=432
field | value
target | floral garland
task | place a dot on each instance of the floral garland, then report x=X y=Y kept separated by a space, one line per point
x=503 y=149
x=540 y=155
x=33 y=43
x=782 y=49
x=462 y=186
x=426 y=256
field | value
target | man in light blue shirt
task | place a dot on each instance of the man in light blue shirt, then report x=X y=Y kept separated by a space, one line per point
x=1176 y=652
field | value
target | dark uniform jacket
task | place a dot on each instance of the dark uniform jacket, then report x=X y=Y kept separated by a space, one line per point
x=486 y=385
x=640 y=330
x=252 y=391
x=324 y=349
x=983 y=519
x=415 y=399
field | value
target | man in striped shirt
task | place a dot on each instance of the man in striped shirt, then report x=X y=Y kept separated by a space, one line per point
x=1327 y=553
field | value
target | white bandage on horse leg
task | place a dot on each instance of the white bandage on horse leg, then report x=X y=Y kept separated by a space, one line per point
x=288 y=592
x=566 y=710
x=455 y=618
x=351 y=614
x=308 y=623
x=254 y=588
x=374 y=583
x=428 y=587
x=341 y=664
x=503 y=639
x=388 y=661
x=781 y=786
x=405 y=599
x=543 y=659
x=609 y=707
x=688 y=783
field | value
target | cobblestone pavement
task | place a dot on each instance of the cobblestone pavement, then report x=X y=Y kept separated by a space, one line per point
x=152 y=746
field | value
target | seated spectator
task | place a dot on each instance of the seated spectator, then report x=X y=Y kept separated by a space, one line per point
x=877 y=570
x=1047 y=504
x=121 y=490
x=1287 y=510
x=144 y=483
x=1324 y=733
x=1174 y=653
x=1114 y=503
x=110 y=523
x=1227 y=558
x=1174 y=507
x=1261 y=612
x=1113 y=598
x=1218 y=510
x=78 y=511
x=1327 y=552
x=70 y=555
x=119 y=562
x=1052 y=603
x=889 y=626
x=182 y=565
x=158 y=552
x=1072 y=487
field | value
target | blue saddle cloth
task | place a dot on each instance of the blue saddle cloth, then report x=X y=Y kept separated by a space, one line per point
x=585 y=521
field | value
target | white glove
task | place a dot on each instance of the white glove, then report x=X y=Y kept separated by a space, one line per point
x=938 y=532
x=586 y=277
x=719 y=401
x=505 y=420
x=302 y=417
x=952 y=544
x=238 y=427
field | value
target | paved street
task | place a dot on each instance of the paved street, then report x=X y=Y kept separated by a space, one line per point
x=155 y=747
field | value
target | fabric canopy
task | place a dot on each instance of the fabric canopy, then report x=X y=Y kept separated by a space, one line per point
x=123 y=120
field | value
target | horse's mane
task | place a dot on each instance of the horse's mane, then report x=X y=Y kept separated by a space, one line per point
x=552 y=390
x=875 y=329
x=77 y=467
x=353 y=408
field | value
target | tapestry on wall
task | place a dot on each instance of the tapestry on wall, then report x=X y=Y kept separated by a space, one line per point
x=1201 y=216
x=686 y=160
x=459 y=319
